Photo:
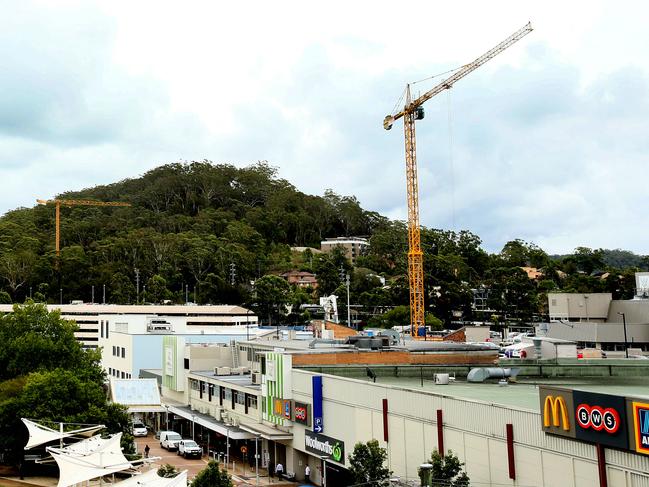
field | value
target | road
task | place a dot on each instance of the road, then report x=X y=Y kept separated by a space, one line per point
x=242 y=476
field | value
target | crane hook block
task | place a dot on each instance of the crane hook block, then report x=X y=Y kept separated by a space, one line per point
x=387 y=122
x=419 y=113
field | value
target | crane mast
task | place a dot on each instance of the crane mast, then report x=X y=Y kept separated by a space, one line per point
x=412 y=111
x=57 y=203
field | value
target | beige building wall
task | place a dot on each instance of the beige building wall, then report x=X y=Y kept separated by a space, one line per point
x=474 y=431
x=112 y=362
x=579 y=306
x=354 y=247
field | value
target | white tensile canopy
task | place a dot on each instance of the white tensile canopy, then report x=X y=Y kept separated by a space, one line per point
x=39 y=434
x=151 y=479
x=89 y=459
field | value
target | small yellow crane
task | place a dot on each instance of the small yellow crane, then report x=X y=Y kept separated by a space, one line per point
x=413 y=110
x=58 y=203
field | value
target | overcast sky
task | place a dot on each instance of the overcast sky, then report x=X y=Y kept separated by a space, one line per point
x=548 y=142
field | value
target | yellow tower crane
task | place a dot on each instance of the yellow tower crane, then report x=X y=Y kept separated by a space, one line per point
x=413 y=110
x=58 y=203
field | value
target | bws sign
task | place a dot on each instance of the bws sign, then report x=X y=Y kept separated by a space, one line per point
x=324 y=446
x=601 y=418
x=598 y=418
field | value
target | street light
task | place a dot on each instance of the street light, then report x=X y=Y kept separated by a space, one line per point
x=247 y=325
x=349 y=321
x=626 y=349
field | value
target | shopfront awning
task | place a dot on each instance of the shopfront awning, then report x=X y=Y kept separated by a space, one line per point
x=139 y=395
x=267 y=432
x=209 y=422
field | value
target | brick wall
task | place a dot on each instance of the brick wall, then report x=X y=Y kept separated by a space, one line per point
x=456 y=336
x=395 y=358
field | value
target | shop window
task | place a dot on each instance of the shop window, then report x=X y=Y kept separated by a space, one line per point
x=240 y=397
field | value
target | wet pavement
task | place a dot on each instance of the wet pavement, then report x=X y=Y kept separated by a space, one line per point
x=242 y=474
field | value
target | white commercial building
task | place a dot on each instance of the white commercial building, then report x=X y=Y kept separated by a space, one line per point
x=92 y=318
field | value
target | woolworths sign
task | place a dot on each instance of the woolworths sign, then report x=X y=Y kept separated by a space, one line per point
x=324 y=446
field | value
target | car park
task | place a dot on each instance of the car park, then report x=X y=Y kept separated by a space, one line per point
x=169 y=440
x=139 y=429
x=189 y=448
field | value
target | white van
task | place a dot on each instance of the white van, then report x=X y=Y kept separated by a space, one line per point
x=169 y=440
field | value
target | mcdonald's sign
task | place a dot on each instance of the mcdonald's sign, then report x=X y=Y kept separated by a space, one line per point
x=557 y=411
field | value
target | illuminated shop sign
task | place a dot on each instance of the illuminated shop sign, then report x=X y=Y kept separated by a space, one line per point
x=601 y=418
x=301 y=413
x=640 y=426
x=318 y=418
x=282 y=407
x=557 y=411
x=325 y=446
x=585 y=416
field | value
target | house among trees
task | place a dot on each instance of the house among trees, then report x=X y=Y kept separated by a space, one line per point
x=301 y=279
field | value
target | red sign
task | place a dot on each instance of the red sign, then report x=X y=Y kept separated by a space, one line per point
x=598 y=418
x=301 y=413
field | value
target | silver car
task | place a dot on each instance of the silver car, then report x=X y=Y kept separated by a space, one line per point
x=140 y=429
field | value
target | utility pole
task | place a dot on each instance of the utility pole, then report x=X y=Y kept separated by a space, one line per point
x=186 y=293
x=233 y=273
x=104 y=297
x=342 y=274
x=93 y=295
x=349 y=321
x=137 y=286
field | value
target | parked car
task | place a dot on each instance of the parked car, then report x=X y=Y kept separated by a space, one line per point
x=169 y=440
x=140 y=429
x=189 y=448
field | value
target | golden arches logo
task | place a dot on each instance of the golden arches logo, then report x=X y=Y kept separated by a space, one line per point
x=555 y=413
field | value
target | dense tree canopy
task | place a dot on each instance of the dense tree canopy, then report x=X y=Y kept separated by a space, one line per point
x=47 y=376
x=206 y=232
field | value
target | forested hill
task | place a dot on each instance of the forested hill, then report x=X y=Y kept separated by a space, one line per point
x=188 y=222
x=203 y=232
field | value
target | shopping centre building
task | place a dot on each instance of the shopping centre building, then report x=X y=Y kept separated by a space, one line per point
x=308 y=404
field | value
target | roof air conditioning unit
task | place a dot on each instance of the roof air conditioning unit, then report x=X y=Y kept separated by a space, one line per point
x=222 y=371
x=256 y=377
